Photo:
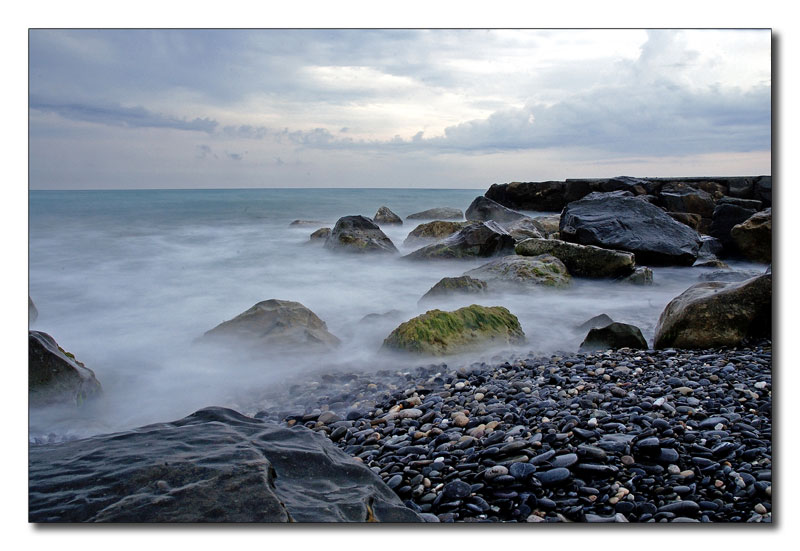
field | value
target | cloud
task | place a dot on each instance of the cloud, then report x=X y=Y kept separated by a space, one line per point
x=116 y=115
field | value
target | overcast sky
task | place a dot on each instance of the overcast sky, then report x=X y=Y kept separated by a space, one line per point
x=401 y=108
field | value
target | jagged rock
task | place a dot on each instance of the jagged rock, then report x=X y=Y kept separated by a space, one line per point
x=386 y=216
x=481 y=239
x=615 y=221
x=600 y=320
x=483 y=208
x=580 y=260
x=713 y=314
x=463 y=285
x=726 y=216
x=710 y=247
x=215 y=465
x=541 y=196
x=753 y=237
x=681 y=197
x=524 y=228
x=440 y=213
x=642 y=275
x=33 y=313
x=358 y=234
x=691 y=220
x=55 y=376
x=472 y=327
x=321 y=234
x=614 y=335
x=548 y=225
x=516 y=270
x=433 y=231
x=276 y=324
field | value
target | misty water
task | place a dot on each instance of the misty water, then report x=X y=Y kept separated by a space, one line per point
x=128 y=280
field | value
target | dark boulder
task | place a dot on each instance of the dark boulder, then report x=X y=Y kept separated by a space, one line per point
x=741 y=187
x=478 y=239
x=614 y=335
x=726 y=216
x=439 y=213
x=713 y=314
x=433 y=231
x=762 y=190
x=753 y=237
x=215 y=465
x=448 y=286
x=386 y=216
x=276 y=324
x=615 y=221
x=541 y=196
x=483 y=208
x=581 y=260
x=55 y=376
x=358 y=234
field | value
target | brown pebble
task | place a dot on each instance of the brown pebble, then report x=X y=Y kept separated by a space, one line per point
x=627 y=460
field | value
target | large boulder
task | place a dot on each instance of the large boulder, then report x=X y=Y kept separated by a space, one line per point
x=581 y=260
x=753 y=237
x=727 y=215
x=386 y=216
x=541 y=196
x=470 y=328
x=439 y=213
x=55 y=376
x=433 y=231
x=358 y=234
x=615 y=221
x=478 y=239
x=716 y=313
x=483 y=208
x=215 y=465
x=614 y=335
x=516 y=270
x=276 y=324
x=448 y=286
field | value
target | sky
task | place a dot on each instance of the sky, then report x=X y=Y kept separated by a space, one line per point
x=393 y=108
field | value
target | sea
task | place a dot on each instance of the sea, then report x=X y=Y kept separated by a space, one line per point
x=128 y=280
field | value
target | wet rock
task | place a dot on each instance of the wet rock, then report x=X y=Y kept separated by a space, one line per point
x=726 y=216
x=642 y=275
x=581 y=260
x=540 y=196
x=479 y=239
x=55 y=376
x=433 y=231
x=321 y=234
x=386 y=216
x=524 y=228
x=753 y=237
x=484 y=209
x=358 y=234
x=517 y=270
x=614 y=335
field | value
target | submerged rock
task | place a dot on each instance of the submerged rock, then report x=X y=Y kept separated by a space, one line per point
x=600 y=320
x=581 y=260
x=614 y=221
x=753 y=237
x=642 y=275
x=277 y=324
x=433 y=231
x=480 y=239
x=358 y=234
x=306 y=223
x=463 y=285
x=472 y=327
x=728 y=275
x=439 y=213
x=717 y=314
x=55 y=376
x=614 y=335
x=519 y=270
x=215 y=465
x=386 y=216
x=321 y=234
x=483 y=208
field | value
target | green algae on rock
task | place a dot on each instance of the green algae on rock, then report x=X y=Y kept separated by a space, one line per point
x=516 y=270
x=440 y=333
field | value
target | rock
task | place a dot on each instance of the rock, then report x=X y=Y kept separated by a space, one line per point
x=215 y=465
x=580 y=260
x=524 y=228
x=726 y=216
x=680 y=197
x=462 y=285
x=277 y=324
x=321 y=234
x=440 y=213
x=541 y=196
x=601 y=320
x=642 y=275
x=433 y=231
x=741 y=187
x=482 y=239
x=483 y=208
x=629 y=224
x=55 y=376
x=372 y=318
x=548 y=225
x=694 y=221
x=306 y=223
x=714 y=314
x=753 y=237
x=553 y=477
x=728 y=275
x=614 y=335
x=710 y=263
x=516 y=270
x=386 y=216
x=358 y=234
x=762 y=190
x=33 y=313
x=469 y=328
x=710 y=247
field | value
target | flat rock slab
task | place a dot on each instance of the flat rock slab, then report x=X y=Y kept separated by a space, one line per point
x=215 y=465
x=581 y=260
x=439 y=213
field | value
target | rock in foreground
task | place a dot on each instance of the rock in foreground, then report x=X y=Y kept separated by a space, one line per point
x=55 y=376
x=581 y=260
x=212 y=466
x=277 y=324
x=358 y=234
x=753 y=237
x=472 y=327
x=717 y=314
x=614 y=335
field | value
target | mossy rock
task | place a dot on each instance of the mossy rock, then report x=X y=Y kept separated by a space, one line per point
x=447 y=286
x=439 y=333
x=516 y=270
x=433 y=231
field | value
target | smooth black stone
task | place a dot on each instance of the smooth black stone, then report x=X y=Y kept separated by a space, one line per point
x=566 y=460
x=681 y=508
x=553 y=477
x=456 y=489
x=521 y=471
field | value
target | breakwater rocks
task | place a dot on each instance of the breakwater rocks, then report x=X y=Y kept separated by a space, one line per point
x=608 y=436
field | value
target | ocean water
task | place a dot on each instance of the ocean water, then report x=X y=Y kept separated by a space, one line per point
x=128 y=280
